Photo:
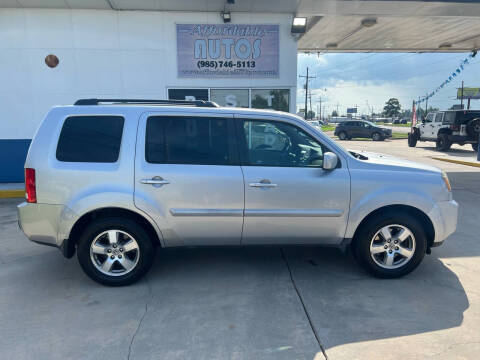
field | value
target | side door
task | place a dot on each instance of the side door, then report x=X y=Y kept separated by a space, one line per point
x=352 y=129
x=366 y=130
x=187 y=177
x=437 y=124
x=289 y=198
x=426 y=129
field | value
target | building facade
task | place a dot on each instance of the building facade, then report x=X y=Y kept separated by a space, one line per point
x=56 y=56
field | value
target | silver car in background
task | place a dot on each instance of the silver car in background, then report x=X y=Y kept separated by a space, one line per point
x=113 y=180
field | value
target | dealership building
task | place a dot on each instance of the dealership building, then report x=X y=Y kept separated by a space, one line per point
x=235 y=52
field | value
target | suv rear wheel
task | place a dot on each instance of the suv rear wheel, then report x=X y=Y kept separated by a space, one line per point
x=443 y=142
x=115 y=251
x=342 y=135
x=390 y=245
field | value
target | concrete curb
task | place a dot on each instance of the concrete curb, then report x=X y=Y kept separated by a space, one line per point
x=467 y=163
x=8 y=194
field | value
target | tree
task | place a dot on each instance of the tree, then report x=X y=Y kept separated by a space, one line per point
x=334 y=113
x=392 y=107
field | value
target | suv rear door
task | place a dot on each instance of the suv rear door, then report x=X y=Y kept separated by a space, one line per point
x=289 y=197
x=187 y=177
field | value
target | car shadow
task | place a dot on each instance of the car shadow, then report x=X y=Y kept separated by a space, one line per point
x=466 y=152
x=348 y=306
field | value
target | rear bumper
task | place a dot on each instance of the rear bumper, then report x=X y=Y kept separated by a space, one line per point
x=39 y=222
x=463 y=139
x=444 y=217
x=45 y=223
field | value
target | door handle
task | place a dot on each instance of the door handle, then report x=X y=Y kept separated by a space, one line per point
x=263 y=184
x=157 y=180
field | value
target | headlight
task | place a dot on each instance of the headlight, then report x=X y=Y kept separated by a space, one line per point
x=446 y=181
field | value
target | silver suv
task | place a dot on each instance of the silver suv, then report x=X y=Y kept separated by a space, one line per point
x=113 y=180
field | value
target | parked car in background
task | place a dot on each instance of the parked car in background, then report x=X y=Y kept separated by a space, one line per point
x=114 y=182
x=447 y=128
x=404 y=121
x=361 y=129
x=316 y=123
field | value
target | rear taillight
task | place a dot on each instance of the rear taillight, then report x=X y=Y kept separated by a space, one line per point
x=30 y=186
x=454 y=127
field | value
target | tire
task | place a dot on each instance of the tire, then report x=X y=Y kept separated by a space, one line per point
x=137 y=261
x=443 y=142
x=412 y=140
x=376 y=136
x=475 y=147
x=378 y=264
x=342 y=135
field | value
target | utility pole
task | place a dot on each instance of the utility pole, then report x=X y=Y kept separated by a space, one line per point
x=461 y=98
x=311 y=108
x=307 y=77
x=418 y=109
x=320 y=110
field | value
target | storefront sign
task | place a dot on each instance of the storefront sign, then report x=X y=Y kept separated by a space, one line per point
x=230 y=97
x=468 y=93
x=188 y=94
x=227 y=50
x=271 y=99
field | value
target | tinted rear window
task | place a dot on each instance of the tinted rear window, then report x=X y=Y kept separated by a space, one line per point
x=187 y=140
x=90 y=139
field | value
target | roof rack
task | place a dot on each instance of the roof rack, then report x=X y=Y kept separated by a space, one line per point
x=198 y=103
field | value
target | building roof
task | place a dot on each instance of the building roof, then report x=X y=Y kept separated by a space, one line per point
x=333 y=25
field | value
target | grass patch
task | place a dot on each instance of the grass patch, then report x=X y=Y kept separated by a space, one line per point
x=400 y=125
x=397 y=135
x=328 y=128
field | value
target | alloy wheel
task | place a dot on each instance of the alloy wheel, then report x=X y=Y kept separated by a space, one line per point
x=392 y=246
x=114 y=252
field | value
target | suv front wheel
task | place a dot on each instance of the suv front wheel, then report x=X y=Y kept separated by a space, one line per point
x=390 y=245
x=115 y=251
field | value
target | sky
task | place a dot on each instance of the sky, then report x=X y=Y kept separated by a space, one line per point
x=368 y=80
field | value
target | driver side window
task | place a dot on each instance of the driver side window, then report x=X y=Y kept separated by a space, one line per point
x=429 y=117
x=270 y=143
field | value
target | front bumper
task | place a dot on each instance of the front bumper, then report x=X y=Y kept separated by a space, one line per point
x=444 y=217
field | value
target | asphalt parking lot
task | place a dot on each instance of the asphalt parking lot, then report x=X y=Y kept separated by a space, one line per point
x=242 y=303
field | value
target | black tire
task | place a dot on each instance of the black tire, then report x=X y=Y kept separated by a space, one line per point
x=377 y=136
x=443 y=142
x=364 y=236
x=475 y=147
x=342 y=135
x=412 y=140
x=146 y=253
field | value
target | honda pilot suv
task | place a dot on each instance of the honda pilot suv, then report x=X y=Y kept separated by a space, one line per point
x=115 y=180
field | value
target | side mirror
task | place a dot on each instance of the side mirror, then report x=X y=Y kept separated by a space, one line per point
x=423 y=120
x=330 y=161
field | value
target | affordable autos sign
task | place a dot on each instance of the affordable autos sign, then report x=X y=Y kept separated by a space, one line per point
x=226 y=50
